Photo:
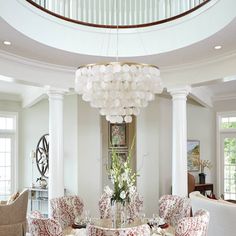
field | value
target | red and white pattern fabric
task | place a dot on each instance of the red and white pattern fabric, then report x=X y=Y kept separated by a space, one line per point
x=39 y=226
x=133 y=207
x=66 y=209
x=194 y=226
x=142 y=230
x=104 y=205
x=172 y=208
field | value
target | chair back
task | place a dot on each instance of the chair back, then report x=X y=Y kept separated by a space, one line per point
x=194 y=226
x=38 y=225
x=133 y=207
x=104 y=205
x=172 y=208
x=13 y=216
x=191 y=183
x=66 y=209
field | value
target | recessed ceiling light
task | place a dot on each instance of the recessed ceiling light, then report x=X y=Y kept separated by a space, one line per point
x=7 y=43
x=218 y=47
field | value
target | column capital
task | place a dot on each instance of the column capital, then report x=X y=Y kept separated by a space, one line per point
x=55 y=93
x=179 y=90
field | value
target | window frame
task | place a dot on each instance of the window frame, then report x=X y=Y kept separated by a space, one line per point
x=13 y=134
x=220 y=133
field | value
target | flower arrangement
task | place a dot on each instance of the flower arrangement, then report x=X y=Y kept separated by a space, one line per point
x=122 y=178
x=204 y=164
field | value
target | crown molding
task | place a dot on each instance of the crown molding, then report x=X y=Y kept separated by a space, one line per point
x=231 y=96
x=36 y=63
x=199 y=63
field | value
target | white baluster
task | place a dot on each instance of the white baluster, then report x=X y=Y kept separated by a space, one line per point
x=89 y=10
x=131 y=12
x=121 y=12
x=98 y=14
x=145 y=11
x=73 y=9
x=84 y=11
x=161 y=9
x=94 y=5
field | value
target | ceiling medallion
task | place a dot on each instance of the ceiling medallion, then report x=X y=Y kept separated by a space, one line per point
x=118 y=89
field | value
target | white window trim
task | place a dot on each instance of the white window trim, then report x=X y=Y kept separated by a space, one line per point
x=219 y=164
x=16 y=149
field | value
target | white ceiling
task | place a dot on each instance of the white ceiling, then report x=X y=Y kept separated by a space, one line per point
x=203 y=50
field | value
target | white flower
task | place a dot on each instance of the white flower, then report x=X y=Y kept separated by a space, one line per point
x=122 y=195
x=112 y=180
x=120 y=184
x=132 y=190
x=108 y=191
x=125 y=176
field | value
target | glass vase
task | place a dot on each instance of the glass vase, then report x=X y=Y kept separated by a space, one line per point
x=118 y=214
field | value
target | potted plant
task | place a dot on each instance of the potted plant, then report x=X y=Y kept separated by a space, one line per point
x=203 y=164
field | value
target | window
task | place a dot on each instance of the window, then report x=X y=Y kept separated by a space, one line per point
x=7 y=154
x=228 y=123
x=227 y=163
x=229 y=143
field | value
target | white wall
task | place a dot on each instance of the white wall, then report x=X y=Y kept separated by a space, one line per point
x=202 y=126
x=34 y=124
x=148 y=156
x=89 y=156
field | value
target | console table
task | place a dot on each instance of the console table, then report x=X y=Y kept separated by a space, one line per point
x=202 y=188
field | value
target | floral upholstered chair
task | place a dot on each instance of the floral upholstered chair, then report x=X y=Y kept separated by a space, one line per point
x=104 y=205
x=135 y=205
x=38 y=225
x=172 y=208
x=65 y=209
x=194 y=226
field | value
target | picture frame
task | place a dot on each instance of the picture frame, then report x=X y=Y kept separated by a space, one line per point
x=123 y=154
x=193 y=155
x=118 y=137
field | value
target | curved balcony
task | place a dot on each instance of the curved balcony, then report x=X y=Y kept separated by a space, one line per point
x=129 y=13
x=132 y=42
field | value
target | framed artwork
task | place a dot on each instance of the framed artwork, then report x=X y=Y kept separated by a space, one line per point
x=118 y=135
x=193 y=154
x=121 y=154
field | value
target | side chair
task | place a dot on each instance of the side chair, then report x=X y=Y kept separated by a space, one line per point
x=173 y=208
x=194 y=226
x=65 y=209
x=38 y=225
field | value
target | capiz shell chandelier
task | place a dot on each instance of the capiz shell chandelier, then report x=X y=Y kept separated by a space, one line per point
x=118 y=89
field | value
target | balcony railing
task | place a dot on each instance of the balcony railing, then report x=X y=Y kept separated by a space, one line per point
x=122 y=13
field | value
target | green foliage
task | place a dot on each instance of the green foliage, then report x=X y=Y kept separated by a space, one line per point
x=228 y=125
x=122 y=176
x=230 y=151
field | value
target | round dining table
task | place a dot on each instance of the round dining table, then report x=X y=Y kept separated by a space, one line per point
x=104 y=227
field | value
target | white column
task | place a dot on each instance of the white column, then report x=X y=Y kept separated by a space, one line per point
x=179 y=141
x=56 y=176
